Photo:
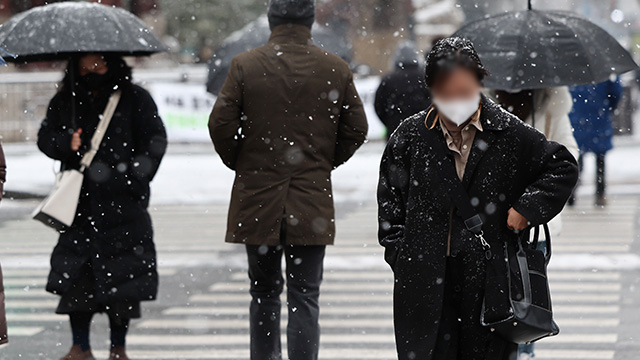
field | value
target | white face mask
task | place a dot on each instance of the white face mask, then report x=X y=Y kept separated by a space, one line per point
x=458 y=111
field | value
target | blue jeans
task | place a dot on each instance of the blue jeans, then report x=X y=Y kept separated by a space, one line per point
x=525 y=349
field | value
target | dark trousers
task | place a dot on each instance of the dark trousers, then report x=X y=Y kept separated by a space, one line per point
x=304 y=266
x=601 y=184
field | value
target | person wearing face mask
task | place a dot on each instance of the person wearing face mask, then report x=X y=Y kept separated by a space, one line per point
x=105 y=262
x=514 y=178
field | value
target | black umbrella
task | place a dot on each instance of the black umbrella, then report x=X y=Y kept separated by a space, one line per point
x=256 y=34
x=60 y=30
x=539 y=49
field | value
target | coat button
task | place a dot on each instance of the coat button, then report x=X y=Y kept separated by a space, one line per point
x=454 y=253
x=457 y=288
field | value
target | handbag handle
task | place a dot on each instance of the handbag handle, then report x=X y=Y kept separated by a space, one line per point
x=101 y=129
x=533 y=243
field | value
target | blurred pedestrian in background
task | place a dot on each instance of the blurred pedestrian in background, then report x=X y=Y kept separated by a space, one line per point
x=3 y=318
x=287 y=115
x=402 y=93
x=515 y=177
x=106 y=261
x=593 y=129
x=548 y=110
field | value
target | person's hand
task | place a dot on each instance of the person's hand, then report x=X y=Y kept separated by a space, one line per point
x=76 y=141
x=515 y=221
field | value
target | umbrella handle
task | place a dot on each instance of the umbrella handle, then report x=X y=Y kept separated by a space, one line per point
x=529 y=4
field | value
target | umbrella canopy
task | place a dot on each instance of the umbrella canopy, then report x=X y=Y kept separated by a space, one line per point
x=256 y=34
x=539 y=49
x=60 y=30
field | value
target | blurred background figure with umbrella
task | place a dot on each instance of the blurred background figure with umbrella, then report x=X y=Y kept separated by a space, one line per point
x=591 y=117
x=402 y=93
x=531 y=52
x=106 y=261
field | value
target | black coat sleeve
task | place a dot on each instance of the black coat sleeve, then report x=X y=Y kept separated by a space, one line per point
x=54 y=136
x=224 y=122
x=3 y=171
x=554 y=174
x=353 y=125
x=393 y=187
x=149 y=135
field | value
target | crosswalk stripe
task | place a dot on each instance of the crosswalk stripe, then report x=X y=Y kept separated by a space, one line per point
x=30 y=304
x=378 y=339
x=193 y=323
x=215 y=340
x=201 y=323
x=574 y=354
x=17 y=317
x=386 y=298
x=366 y=310
x=25 y=281
x=341 y=353
x=582 y=339
x=388 y=287
x=24 y=330
x=388 y=275
x=233 y=354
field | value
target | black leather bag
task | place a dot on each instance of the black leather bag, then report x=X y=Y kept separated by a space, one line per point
x=517 y=304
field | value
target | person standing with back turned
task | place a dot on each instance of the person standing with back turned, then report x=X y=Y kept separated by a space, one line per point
x=287 y=115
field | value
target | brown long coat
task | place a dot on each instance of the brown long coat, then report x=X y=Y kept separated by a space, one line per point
x=3 y=319
x=288 y=114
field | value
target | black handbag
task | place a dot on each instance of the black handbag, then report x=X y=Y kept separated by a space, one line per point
x=517 y=304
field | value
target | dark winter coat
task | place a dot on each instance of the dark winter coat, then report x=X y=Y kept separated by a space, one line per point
x=112 y=230
x=510 y=165
x=591 y=117
x=3 y=315
x=401 y=94
x=300 y=116
x=3 y=318
x=3 y=171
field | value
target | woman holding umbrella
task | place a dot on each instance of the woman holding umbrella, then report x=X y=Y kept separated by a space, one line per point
x=106 y=261
x=514 y=178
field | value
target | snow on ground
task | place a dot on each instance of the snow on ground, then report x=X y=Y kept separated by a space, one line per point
x=194 y=174
x=190 y=174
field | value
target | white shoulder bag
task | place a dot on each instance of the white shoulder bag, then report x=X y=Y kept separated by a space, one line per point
x=58 y=210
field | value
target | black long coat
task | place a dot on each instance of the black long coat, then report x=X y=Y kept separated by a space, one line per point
x=112 y=230
x=510 y=165
x=401 y=94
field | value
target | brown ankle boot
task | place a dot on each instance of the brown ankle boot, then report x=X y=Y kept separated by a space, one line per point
x=118 y=353
x=76 y=353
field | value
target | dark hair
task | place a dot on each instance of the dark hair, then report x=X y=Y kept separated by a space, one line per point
x=452 y=53
x=119 y=72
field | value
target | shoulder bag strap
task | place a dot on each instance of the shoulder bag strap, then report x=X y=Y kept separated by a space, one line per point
x=103 y=125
